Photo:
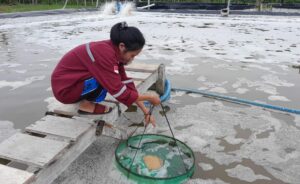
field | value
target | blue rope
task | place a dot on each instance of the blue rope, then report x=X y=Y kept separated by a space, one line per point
x=239 y=100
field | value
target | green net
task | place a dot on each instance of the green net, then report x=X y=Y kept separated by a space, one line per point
x=159 y=159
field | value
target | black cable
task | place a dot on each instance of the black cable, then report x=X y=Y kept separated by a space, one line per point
x=138 y=147
x=150 y=113
x=165 y=114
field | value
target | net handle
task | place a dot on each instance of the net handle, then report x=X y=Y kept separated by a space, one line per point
x=165 y=114
x=150 y=113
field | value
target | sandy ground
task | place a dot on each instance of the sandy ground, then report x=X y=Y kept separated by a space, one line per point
x=250 y=57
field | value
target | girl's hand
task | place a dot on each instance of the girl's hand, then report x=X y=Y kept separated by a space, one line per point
x=150 y=119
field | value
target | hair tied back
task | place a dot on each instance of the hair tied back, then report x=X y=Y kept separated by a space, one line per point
x=123 y=25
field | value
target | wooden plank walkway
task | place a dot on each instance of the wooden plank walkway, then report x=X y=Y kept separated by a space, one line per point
x=48 y=146
x=30 y=149
x=11 y=175
x=63 y=127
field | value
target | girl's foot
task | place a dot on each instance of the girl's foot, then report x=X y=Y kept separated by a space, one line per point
x=87 y=107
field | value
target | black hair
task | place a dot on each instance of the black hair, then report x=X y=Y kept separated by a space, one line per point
x=130 y=36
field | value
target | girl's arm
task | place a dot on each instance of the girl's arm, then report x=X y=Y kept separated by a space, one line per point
x=153 y=99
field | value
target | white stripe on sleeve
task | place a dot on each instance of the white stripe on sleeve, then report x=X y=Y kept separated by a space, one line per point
x=127 y=81
x=120 y=92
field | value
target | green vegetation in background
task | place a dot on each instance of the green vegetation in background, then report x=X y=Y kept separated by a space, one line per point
x=93 y=2
x=37 y=7
x=7 y=6
x=225 y=1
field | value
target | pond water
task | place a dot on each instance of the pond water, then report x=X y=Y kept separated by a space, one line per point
x=251 y=57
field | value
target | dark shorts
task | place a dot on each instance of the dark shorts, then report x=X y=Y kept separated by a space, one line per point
x=93 y=91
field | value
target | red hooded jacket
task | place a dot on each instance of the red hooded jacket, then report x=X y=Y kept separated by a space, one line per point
x=100 y=60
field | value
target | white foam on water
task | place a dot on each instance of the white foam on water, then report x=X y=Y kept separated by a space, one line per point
x=20 y=71
x=49 y=59
x=260 y=101
x=7 y=129
x=195 y=95
x=259 y=67
x=208 y=181
x=241 y=90
x=232 y=140
x=44 y=65
x=267 y=151
x=278 y=98
x=179 y=66
x=284 y=67
x=177 y=94
x=265 y=146
x=192 y=138
x=10 y=65
x=227 y=66
x=275 y=81
x=202 y=88
x=243 y=38
x=268 y=86
x=17 y=84
x=33 y=50
x=202 y=79
x=218 y=90
x=214 y=84
x=195 y=139
x=245 y=173
x=173 y=101
x=205 y=166
x=297 y=120
x=267 y=89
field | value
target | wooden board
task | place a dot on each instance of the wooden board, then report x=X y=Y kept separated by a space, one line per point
x=64 y=127
x=48 y=174
x=9 y=175
x=142 y=67
x=147 y=83
x=138 y=75
x=137 y=82
x=72 y=110
x=31 y=150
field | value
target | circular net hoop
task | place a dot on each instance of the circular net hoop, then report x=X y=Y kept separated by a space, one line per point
x=173 y=163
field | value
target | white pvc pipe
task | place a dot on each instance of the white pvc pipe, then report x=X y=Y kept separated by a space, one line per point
x=143 y=7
